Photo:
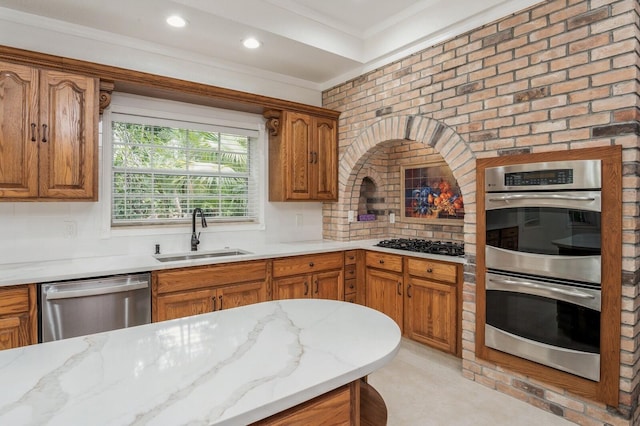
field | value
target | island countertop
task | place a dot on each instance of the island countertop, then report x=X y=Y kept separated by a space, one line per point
x=230 y=367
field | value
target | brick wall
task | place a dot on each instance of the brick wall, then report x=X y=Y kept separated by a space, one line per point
x=562 y=75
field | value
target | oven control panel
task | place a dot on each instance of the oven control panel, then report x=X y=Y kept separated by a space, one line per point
x=539 y=177
x=545 y=176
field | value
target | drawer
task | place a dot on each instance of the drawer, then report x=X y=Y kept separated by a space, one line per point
x=211 y=275
x=350 y=257
x=351 y=298
x=389 y=262
x=307 y=264
x=432 y=270
x=350 y=286
x=350 y=272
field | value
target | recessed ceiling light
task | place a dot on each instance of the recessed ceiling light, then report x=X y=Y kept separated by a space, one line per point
x=176 y=21
x=251 y=43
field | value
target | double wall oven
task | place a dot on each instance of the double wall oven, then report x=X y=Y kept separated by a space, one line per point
x=543 y=259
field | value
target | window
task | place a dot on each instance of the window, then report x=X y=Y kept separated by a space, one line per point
x=161 y=169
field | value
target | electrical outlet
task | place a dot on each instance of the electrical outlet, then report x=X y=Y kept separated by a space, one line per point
x=392 y=218
x=70 y=229
x=351 y=216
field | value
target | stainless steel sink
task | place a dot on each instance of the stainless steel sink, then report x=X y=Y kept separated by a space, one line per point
x=200 y=255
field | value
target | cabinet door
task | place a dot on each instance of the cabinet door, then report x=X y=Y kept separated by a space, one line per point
x=325 y=160
x=328 y=285
x=431 y=313
x=298 y=136
x=297 y=287
x=384 y=293
x=18 y=131
x=68 y=136
x=242 y=294
x=184 y=304
x=10 y=332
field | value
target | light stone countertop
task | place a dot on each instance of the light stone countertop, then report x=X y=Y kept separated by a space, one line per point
x=230 y=367
x=87 y=267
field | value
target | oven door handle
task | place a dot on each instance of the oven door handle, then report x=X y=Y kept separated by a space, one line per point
x=587 y=300
x=517 y=197
x=54 y=294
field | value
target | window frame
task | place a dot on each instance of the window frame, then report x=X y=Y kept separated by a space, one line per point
x=178 y=111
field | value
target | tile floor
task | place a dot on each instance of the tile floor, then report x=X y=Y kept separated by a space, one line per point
x=423 y=387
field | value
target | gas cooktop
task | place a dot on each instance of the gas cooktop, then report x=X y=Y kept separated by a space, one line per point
x=424 y=246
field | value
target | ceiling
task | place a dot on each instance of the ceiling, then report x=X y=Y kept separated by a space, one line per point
x=321 y=43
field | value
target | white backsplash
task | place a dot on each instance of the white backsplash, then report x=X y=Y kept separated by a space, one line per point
x=37 y=231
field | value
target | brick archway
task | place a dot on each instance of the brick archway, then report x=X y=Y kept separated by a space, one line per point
x=428 y=131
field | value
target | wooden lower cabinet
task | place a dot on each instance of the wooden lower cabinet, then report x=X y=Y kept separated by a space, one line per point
x=322 y=285
x=421 y=295
x=18 y=317
x=385 y=293
x=338 y=407
x=318 y=276
x=191 y=291
x=431 y=314
x=195 y=302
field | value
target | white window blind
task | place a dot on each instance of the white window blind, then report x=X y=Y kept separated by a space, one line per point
x=163 y=169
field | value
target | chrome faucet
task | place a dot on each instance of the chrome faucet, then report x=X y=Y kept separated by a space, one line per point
x=195 y=239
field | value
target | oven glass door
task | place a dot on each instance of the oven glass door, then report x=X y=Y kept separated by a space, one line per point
x=549 y=323
x=550 y=234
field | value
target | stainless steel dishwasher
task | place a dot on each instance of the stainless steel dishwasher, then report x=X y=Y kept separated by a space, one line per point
x=76 y=308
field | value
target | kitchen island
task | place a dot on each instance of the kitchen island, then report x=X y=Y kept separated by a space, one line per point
x=230 y=367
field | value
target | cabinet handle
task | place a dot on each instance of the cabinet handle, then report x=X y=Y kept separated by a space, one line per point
x=306 y=288
x=351 y=257
x=409 y=291
x=44 y=133
x=381 y=261
x=311 y=157
x=315 y=157
x=429 y=270
x=311 y=264
x=214 y=303
x=220 y=297
x=316 y=283
x=399 y=288
x=351 y=286
x=33 y=132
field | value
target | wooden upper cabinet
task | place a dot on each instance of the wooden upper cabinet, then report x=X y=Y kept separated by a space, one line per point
x=303 y=157
x=18 y=143
x=325 y=178
x=48 y=134
x=68 y=158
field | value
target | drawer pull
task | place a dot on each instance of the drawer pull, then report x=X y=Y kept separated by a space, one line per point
x=429 y=270
x=381 y=261
x=311 y=264
x=351 y=257
x=352 y=286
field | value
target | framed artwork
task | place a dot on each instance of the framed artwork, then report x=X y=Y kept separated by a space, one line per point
x=430 y=193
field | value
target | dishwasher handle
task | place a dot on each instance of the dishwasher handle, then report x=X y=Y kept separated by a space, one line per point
x=54 y=294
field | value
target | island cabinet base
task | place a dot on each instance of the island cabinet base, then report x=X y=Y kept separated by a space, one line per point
x=354 y=404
